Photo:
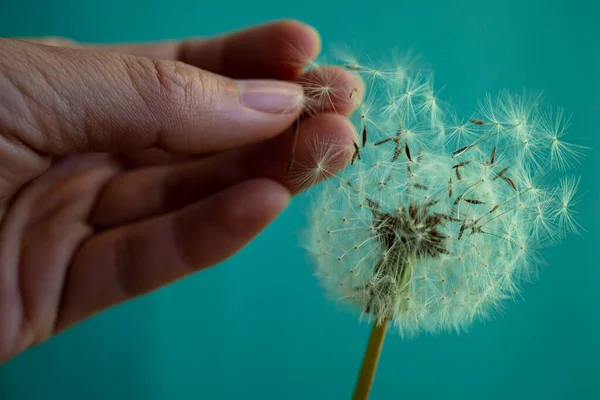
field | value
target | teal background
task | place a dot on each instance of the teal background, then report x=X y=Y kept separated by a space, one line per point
x=258 y=326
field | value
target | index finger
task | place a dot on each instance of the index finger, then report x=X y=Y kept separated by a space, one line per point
x=276 y=50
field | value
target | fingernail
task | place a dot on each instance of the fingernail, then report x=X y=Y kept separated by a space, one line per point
x=270 y=96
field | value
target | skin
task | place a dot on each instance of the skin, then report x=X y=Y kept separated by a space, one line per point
x=125 y=168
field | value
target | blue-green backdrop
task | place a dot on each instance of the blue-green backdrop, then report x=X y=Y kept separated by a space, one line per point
x=257 y=326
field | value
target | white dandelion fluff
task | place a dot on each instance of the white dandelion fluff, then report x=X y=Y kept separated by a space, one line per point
x=439 y=218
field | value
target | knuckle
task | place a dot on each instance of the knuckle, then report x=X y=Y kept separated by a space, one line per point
x=179 y=85
x=173 y=81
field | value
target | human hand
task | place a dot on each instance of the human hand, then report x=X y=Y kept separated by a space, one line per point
x=125 y=168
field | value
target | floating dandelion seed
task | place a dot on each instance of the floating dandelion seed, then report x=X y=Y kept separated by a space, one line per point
x=438 y=218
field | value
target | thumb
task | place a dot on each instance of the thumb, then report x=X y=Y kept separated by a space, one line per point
x=58 y=101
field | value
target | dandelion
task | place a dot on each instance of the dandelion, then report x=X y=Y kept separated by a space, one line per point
x=440 y=219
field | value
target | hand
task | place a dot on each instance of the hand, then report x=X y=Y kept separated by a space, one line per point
x=125 y=168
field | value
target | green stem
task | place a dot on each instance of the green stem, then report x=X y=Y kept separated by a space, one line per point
x=370 y=360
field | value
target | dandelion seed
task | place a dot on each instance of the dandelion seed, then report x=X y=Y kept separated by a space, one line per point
x=462 y=164
x=474 y=201
x=383 y=141
x=459 y=130
x=353 y=67
x=323 y=157
x=566 y=200
x=553 y=126
x=356 y=153
x=509 y=181
x=320 y=90
x=407 y=150
x=461 y=150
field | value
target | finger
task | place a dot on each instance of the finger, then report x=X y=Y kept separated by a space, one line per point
x=324 y=147
x=64 y=100
x=56 y=206
x=126 y=262
x=327 y=90
x=276 y=50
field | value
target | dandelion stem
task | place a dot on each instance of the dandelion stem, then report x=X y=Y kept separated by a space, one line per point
x=370 y=360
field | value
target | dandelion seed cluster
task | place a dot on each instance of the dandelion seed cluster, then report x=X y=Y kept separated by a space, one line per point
x=439 y=218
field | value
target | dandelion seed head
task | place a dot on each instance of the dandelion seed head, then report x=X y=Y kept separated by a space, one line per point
x=441 y=219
